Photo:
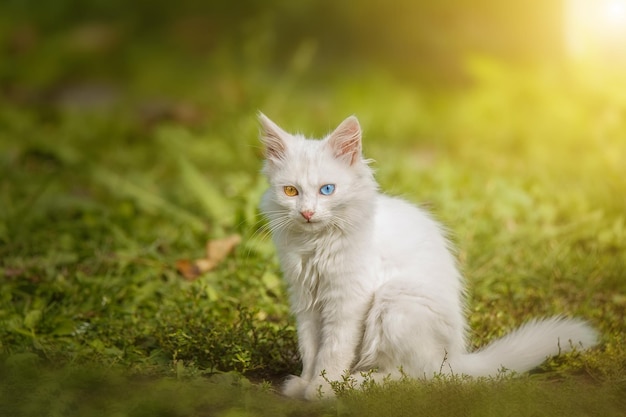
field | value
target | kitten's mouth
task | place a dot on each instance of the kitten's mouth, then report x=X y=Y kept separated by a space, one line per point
x=310 y=223
x=308 y=220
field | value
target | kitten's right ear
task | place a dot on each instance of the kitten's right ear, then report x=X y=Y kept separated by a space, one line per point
x=272 y=137
x=345 y=141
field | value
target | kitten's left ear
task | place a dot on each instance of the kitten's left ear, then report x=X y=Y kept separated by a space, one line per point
x=345 y=141
x=272 y=137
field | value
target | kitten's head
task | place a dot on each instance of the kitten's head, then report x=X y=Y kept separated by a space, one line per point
x=316 y=184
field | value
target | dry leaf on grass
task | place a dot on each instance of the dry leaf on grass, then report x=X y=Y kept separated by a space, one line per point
x=216 y=251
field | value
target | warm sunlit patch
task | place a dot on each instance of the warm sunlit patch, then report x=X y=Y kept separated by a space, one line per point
x=596 y=30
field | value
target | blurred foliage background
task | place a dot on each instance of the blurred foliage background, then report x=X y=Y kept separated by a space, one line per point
x=417 y=40
x=141 y=47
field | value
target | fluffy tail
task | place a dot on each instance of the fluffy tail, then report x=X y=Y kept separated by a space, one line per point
x=526 y=347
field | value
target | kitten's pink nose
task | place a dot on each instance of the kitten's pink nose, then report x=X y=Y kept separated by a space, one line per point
x=307 y=214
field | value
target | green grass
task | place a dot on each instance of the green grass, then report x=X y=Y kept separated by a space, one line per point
x=104 y=185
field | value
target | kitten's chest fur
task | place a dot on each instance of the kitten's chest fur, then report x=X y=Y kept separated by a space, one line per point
x=319 y=267
x=313 y=258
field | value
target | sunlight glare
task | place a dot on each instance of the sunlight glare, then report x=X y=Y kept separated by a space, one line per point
x=596 y=30
x=615 y=12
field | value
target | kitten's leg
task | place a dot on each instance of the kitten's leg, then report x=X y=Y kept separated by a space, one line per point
x=308 y=341
x=308 y=325
x=294 y=387
x=340 y=336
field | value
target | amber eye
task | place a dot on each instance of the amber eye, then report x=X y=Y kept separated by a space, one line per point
x=290 y=190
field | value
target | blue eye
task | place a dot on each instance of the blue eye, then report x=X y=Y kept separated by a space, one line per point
x=327 y=189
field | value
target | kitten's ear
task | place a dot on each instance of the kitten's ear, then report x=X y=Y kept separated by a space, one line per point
x=272 y=137
x=345 y=141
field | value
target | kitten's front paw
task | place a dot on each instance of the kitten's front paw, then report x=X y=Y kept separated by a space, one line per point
x=318 y=388
x=294 y=387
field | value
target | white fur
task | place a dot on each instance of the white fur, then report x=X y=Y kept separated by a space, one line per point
x=372 y=282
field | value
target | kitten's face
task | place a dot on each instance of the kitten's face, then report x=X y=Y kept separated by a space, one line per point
x=310 y=188
x=315 y=184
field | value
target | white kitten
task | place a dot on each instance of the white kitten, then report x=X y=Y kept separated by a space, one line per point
x=371 y=280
